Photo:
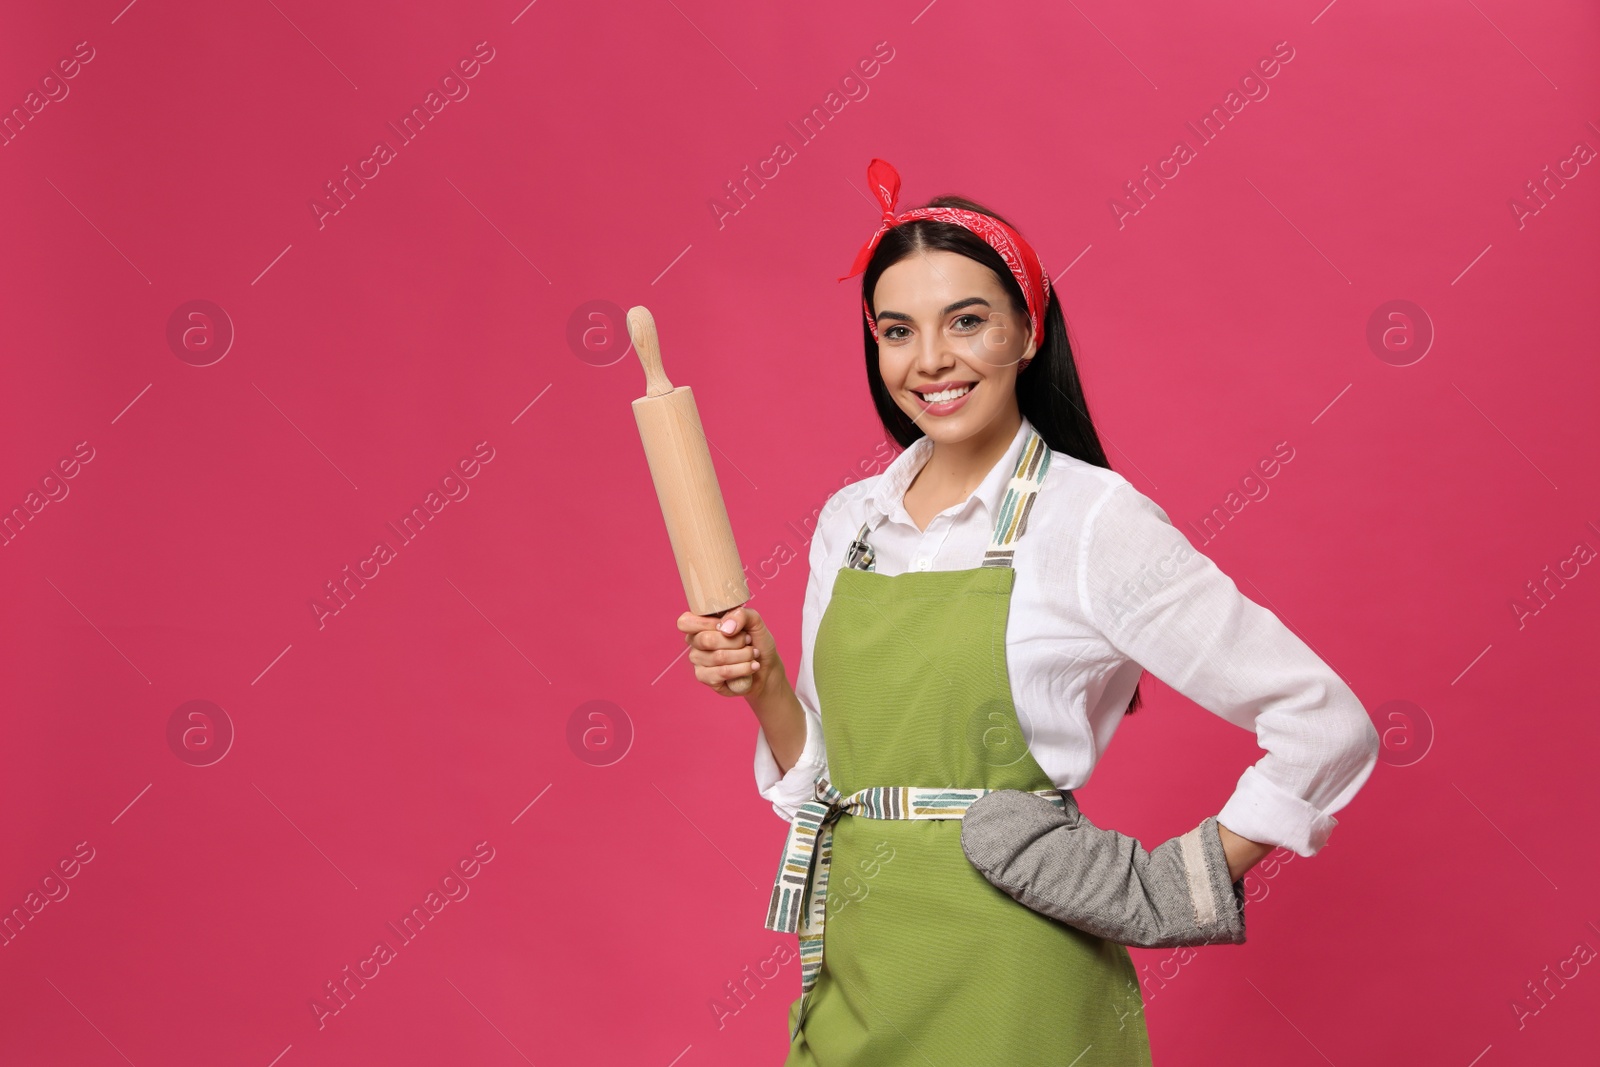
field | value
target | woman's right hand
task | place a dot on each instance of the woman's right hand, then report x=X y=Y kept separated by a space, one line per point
x=719 y=656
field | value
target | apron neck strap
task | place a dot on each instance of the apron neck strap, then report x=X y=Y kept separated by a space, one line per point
x=1011 y=521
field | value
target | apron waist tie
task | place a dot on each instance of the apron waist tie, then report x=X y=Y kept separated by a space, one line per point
x=800 y=890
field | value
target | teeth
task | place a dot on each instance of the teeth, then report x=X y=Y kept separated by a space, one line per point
x=948 y=394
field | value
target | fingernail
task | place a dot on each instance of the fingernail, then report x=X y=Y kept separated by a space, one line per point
x=727 y=626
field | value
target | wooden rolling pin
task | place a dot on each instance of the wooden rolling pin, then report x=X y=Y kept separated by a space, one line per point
x=686 y=484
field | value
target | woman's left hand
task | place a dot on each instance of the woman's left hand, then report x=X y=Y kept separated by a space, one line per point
x=1060 y=864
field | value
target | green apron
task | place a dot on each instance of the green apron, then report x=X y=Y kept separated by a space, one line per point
x=926 y=963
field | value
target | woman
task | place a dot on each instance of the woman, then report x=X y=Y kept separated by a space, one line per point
x=975 y=625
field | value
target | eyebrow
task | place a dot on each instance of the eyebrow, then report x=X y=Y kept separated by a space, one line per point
x=942 y=311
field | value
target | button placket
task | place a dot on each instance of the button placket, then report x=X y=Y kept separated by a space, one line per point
x=932 y=541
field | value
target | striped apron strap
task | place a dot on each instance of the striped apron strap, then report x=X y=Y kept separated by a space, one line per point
x=1012 y=520
x=800 y=890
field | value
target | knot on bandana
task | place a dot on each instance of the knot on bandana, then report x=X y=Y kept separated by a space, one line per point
x=884 y=182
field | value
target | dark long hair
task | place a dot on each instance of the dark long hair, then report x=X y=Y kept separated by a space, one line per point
x=1048 y=391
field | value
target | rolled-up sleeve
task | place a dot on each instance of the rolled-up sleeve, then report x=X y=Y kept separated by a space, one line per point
x=1166 y=606
x=788 y=790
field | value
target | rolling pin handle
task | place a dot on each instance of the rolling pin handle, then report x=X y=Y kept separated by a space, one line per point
x=642 y=328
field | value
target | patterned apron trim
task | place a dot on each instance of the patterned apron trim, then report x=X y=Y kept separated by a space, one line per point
x=800 y=890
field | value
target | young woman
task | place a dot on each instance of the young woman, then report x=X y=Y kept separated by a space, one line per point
x=975 y=625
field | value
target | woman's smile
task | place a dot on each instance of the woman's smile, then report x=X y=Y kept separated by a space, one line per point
x=943 y=398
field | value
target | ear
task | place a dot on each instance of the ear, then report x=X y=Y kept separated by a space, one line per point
x=1033 y=344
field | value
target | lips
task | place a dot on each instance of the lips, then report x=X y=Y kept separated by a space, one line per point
x=942 y=408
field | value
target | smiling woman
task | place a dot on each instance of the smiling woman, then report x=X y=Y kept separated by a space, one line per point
x=976 y=622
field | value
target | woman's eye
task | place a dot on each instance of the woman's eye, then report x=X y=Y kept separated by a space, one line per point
x=971 y=322
x=891 y=335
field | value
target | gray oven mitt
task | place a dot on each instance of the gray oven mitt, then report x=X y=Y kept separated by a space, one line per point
x=1060 y=864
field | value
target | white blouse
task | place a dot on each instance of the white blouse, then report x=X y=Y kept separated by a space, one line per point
x=1106 y=587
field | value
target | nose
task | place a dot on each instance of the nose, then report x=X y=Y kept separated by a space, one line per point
x=934 y=353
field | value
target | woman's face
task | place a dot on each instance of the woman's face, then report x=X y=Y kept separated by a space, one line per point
x=947 y=330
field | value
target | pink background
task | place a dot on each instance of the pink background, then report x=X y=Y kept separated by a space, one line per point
x=443 y=305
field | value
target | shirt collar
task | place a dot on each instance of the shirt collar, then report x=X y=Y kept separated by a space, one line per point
x=887 y=497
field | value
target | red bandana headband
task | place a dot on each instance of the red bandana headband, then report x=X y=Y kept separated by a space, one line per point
x=884 y=181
